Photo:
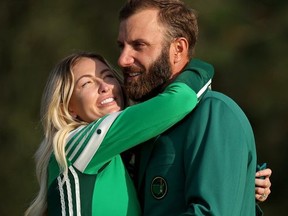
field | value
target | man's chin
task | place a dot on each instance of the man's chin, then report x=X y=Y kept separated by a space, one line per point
x=131 y=80
x=134 y=93
x=140 y=96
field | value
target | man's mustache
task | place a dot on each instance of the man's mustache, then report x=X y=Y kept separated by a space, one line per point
x=131 y=69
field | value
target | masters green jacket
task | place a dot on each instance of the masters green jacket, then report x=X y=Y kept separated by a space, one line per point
x=204 y=165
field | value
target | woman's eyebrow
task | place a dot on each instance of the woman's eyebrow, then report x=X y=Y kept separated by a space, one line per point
x=105 y=70
x=89 y=76
x=83 y=76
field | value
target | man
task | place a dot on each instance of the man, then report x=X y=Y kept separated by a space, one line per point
x=205 y=165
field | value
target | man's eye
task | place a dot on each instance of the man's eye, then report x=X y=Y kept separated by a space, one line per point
x=139 y=46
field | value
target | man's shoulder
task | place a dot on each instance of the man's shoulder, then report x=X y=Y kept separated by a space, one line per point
x=216 y=105
x=215 y=95
x=212 y=97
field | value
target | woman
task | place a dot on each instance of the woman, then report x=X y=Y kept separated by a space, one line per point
x=78 y=164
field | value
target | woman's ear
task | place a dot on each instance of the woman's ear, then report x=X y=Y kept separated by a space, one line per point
x=72 y=113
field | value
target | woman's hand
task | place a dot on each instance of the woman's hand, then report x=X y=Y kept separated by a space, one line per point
x=262 y=185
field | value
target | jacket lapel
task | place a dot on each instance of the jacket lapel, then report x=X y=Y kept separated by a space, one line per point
x=143 y=158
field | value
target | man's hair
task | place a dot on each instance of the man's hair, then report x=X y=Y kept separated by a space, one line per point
x=178 y=18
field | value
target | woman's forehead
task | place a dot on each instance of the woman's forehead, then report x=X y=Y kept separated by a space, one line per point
x=87 y=65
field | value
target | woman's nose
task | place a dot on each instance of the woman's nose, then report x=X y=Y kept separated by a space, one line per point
x=103 y=87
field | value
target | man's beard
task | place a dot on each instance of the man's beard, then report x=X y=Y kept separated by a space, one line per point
x=150 y=82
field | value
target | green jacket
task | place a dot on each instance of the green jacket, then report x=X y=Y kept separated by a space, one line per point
x=204 y=165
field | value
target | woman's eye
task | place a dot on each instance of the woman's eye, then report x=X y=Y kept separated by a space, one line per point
x=85 y=83
x=108 y=76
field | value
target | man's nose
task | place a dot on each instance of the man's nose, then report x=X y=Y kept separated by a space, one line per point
x=125 y=59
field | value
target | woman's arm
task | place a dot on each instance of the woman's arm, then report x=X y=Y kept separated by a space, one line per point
x=262 y=184
x=135 y=124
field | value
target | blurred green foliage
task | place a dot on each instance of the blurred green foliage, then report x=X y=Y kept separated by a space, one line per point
x=246 y=41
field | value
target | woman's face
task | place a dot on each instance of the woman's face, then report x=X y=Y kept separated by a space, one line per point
x=96 y=92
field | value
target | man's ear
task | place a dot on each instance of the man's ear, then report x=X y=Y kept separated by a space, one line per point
x=179 y=50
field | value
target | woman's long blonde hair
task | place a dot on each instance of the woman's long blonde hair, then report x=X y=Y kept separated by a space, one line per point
x=57 y=123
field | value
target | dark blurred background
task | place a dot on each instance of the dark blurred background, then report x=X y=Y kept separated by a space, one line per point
x=246 y=41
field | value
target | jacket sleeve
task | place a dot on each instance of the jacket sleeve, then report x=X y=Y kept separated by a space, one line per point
x=134 y=125
x=220 y=161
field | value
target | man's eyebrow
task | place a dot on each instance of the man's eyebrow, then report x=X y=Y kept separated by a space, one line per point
x=141 y=40
x=138 y=40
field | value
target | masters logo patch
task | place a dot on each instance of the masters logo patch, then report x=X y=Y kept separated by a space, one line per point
x=159 y=187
